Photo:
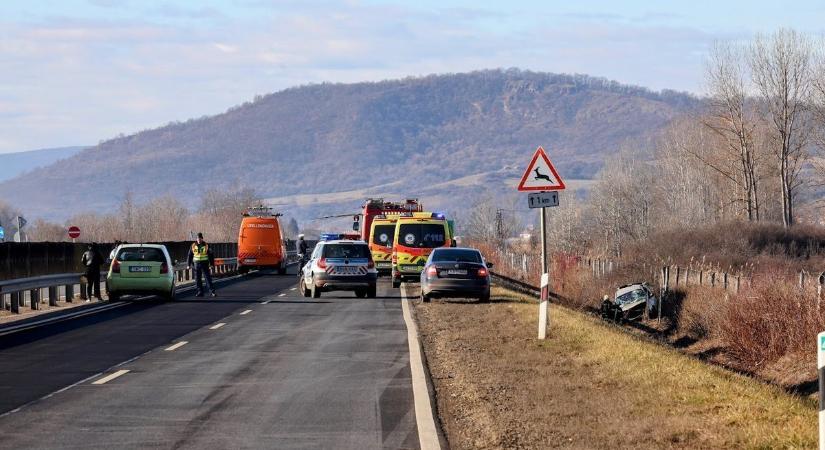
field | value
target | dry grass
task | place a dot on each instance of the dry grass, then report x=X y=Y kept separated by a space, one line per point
x=590 y=386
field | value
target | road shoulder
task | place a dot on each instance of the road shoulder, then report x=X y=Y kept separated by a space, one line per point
x=590 y=386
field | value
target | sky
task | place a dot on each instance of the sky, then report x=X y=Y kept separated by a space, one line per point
x=76 y=72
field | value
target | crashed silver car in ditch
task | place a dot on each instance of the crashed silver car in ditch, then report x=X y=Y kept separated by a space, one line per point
x=629 y=302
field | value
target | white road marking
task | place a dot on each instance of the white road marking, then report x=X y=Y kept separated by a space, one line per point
x=176 y=346
x=281 y=295
x=293 y=289
x=216 y=326
x=264 y=303
x=111 y=377
x=246 y=312
x=427 y=434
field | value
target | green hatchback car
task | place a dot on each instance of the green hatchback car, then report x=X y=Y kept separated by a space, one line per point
x=141 y=269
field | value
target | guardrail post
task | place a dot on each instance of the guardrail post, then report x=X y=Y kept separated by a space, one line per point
x=738 y=283
x=725 y=280
x=801 y=280
x=68 y=291
x=15 y=302
x=34 y=298
x=52 y=295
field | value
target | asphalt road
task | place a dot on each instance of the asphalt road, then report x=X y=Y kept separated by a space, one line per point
x=289 y=373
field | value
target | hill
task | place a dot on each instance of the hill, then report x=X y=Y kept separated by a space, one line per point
x=408 y=134
x=14 y=164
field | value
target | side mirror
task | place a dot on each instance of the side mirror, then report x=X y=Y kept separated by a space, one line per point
x=490 y=265
x=356 y=226
x=453 y=243
x=174 y=262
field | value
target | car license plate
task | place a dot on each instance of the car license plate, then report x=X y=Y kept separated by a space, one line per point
x=140 y=269
x=346 y=270
x=250 y=260
x=456 y=272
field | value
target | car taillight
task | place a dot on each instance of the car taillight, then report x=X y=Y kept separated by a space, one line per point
x=371 y=264
x=482 y=272
x=322 y=263
x=115 y=266
x=164 y=268
x=395 y=256
x=432 y=271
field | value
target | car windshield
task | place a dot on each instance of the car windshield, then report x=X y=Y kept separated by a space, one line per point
x=382 y=235
x=346 y=251
x=141 y=254
x=632 y=296
x=457 y=255
x=422 y=235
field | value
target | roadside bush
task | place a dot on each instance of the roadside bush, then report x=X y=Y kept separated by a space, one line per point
x=770 y=319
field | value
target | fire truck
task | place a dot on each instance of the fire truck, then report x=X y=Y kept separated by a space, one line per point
x=378 y=206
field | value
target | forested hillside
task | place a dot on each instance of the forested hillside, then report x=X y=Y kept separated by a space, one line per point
x=326 y=138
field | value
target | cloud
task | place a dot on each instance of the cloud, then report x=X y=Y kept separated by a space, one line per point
x=74 y=80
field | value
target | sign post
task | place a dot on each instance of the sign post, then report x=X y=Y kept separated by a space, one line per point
x=543 y=182
x=820 y=341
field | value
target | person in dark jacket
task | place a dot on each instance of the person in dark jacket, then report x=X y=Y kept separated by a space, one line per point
x=91 y=261
x=202 y=258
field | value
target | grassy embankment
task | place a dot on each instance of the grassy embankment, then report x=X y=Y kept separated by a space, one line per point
x=590 y=385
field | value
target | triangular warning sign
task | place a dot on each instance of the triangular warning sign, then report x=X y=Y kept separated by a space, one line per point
x=540 y=174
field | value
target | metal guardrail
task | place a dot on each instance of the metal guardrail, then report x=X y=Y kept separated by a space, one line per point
x=13 y=292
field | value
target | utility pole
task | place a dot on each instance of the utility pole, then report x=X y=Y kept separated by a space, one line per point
x=499 y=224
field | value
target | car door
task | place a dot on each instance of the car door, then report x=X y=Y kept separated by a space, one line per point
x=310 y=265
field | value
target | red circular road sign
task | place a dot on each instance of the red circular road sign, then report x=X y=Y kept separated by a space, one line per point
x=74 y=232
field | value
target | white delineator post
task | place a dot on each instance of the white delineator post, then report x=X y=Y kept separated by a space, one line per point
x=543 y=304
x=820 y=357
x=545 y=278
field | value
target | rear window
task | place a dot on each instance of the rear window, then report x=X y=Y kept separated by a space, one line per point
x=141 y=254
x=422 y=235
x=382 y=235
x=346 y=251
x=457 y=255
x=266 y=233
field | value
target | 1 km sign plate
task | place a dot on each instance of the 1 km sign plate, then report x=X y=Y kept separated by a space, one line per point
x=540 y=174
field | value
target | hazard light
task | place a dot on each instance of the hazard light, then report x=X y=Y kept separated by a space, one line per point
x=322 y=263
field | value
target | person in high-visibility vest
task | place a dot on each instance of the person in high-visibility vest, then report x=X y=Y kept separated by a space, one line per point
x=201 y=258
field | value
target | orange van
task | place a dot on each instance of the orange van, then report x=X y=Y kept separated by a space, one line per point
x=260 y=245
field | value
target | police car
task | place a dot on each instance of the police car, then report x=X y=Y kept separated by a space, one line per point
x=339 y=265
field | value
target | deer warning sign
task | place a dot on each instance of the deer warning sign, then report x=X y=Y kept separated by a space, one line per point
x=540 y=174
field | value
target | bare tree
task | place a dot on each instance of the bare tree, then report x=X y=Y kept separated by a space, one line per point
x=730 y=115
x=782 y=68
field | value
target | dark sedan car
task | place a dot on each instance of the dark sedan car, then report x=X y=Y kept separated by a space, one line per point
x=455 y=272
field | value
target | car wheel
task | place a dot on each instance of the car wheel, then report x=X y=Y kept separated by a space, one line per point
x=396 y=283
x=361 y=293
x=243 y=270
x=282 y=270
x=114 y=297
x=484 y=298
x=314 y=291
x=372 y=292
